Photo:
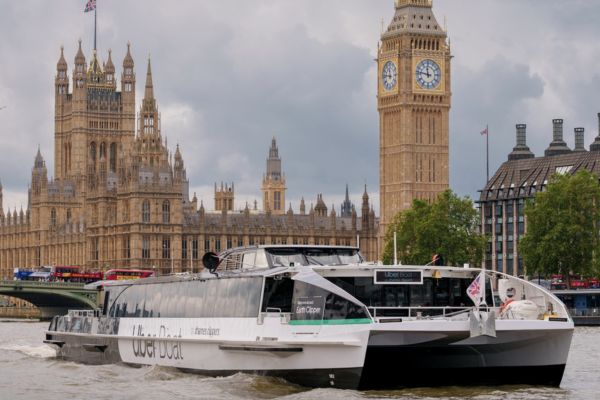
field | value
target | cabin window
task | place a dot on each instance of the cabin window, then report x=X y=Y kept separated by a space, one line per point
x=335 y=307
x=443 y=292
x=261 y=259
x=248 y=260
x=225 y=298
x=278 y=295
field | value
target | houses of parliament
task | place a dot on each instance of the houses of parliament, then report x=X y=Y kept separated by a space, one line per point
x=120 y=199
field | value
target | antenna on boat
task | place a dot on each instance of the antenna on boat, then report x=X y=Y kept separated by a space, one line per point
x=395 y=250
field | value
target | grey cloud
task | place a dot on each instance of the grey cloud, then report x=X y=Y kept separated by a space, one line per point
x=494 y=94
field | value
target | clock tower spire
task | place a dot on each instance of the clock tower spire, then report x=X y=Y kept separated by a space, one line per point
x=413 y=100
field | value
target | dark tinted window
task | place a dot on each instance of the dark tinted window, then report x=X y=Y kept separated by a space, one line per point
x=336 y=307
x=278 y=294
x=443 y=292
x=225 y=298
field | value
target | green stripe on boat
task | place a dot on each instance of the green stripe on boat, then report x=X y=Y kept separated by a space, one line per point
x=331 y=321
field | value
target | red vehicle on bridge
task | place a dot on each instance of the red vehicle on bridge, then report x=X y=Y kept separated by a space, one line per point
x=73 y=274
x=126 y=274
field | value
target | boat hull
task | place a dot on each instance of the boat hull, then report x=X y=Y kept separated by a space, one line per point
x=532 y=355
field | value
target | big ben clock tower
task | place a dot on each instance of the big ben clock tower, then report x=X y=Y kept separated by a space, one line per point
x=413 y=100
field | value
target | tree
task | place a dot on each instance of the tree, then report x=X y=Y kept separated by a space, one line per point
x=449 y=226
x=562 y=227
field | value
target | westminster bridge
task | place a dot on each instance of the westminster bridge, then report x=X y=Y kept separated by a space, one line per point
x=52 y=298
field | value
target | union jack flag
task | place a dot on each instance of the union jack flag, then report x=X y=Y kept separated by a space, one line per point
x=90 y=6
x=476 y=289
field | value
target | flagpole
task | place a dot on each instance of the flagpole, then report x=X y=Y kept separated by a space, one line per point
x=95 y=8
x=487 y=154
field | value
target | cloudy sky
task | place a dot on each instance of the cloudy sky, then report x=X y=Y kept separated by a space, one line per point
x=231 y=74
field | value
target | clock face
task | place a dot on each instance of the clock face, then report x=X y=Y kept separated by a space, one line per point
x=428 y=74
x=389 y=75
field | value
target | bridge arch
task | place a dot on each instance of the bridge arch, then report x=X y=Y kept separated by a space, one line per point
x=51 y=298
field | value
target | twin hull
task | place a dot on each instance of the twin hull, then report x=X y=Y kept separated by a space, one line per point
x=353 y=356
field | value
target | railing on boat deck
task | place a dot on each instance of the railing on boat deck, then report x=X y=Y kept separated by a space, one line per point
x=383 y=313
x=584 y=312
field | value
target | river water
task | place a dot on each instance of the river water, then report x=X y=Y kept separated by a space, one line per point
x=29 y=370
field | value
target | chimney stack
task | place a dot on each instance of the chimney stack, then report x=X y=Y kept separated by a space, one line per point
x=558 y=146
x=557 y=130
x=521 y=151
x=596 y=145
x=579 y=138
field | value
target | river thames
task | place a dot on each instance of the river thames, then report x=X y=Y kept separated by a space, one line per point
x=29 y=370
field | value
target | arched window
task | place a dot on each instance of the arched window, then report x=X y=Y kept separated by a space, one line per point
x=53 y=217
x=102 y=150
x=93 y=151
x=146 y=211
x=166 y=212
x=113 y=157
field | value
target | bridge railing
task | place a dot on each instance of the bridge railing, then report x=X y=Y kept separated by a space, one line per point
x=64 y=285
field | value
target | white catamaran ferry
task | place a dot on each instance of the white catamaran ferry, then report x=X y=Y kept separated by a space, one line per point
x=321 y=317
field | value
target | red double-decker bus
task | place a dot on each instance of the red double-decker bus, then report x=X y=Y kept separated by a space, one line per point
x=73 y=274
x=126 y=274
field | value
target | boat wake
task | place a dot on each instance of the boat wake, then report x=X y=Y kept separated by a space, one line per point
x=41 y=351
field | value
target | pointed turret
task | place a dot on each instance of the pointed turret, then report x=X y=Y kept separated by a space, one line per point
x=79 y=75
x=61 y=82
x=365 y=208
x=128 y=60
x=320 y=208
x=109 y=70
x=273 y=185
x=178 y=166
x=39 y=174
x=79 y=57
x=346 y=207
x=302 y=207
x=39 y=160
x=109 y=67
x=149 y=88
x=128 y=88
x=61 y=65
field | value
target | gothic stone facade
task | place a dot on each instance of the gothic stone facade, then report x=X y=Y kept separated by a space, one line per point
x=119 y=198
x=413 y=103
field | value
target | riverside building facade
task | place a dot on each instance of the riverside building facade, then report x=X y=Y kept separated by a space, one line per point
x=119 y=197
x=502 y=200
